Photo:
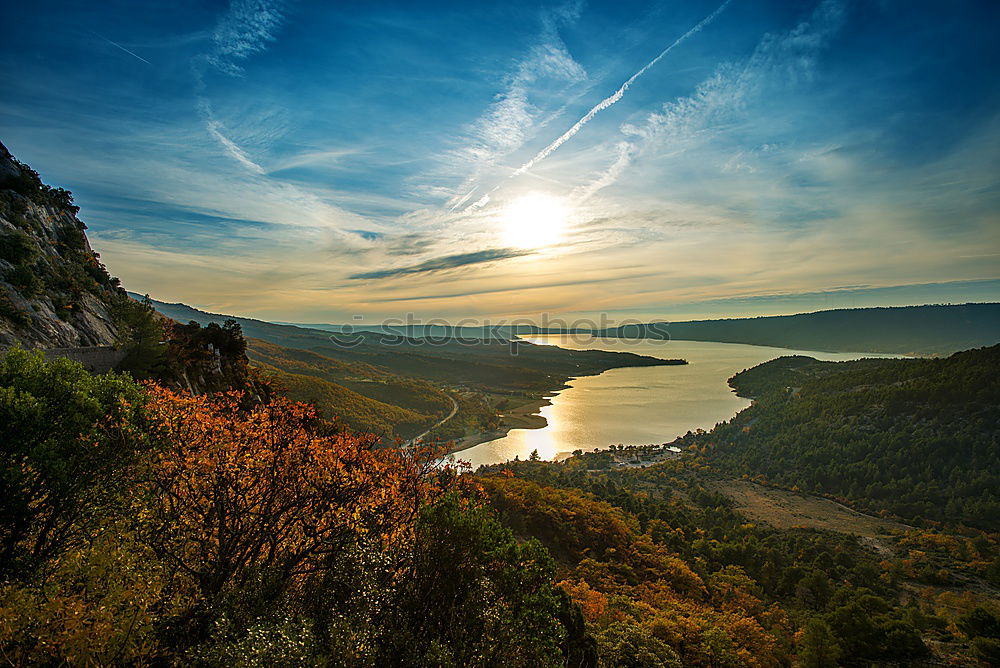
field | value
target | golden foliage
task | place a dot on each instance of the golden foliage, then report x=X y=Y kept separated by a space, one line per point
x=620 y=578
x=241 y=489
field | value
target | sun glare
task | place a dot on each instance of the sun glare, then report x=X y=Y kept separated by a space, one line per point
x=533 y=221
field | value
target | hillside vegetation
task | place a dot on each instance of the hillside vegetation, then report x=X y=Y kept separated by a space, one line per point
x=143 y=526
x=359 y=395
x=667 y=573
x=193 y=529
x=917 y=438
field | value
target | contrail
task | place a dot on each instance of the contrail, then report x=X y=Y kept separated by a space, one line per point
x=464 y=199
x=134 y=55
x=617 y=95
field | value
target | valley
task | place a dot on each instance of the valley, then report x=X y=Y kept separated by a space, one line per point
x=401 y=386
x=227 y=489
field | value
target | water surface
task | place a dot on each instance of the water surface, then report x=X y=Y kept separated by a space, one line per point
x=641 y=405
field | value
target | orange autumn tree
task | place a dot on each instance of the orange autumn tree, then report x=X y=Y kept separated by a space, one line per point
x=242 y=493
x=241 y=529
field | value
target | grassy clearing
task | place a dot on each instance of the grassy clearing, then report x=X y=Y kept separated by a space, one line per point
x=788 y=510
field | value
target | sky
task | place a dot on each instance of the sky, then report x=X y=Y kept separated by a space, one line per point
x=358 y=161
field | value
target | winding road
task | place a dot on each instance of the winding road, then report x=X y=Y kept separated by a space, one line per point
x=454 y=409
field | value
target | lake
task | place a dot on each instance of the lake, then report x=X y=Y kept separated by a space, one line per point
x=636 y=406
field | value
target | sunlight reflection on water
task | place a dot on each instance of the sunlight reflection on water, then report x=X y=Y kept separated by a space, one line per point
x=639 y=405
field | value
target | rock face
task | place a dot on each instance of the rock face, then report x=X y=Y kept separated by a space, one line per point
x=54 y=291
x=56 y=295
x=203 y=360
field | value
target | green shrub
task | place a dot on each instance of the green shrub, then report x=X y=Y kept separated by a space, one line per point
x=139 y=334
x=29 y=184
x=17 y=247
x=26 y=280
x=10 y=311
x=67 y=436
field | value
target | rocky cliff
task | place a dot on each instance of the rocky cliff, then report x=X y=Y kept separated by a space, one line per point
x=54 y=291
x=56 y=295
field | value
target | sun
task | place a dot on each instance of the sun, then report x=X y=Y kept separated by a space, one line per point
x=534 y=220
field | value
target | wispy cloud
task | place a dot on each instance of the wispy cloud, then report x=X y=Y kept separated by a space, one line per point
x=245 y=29
x=309 y=182
x=446 y=262
x=788 y=57
x=215 y=128
x=324 y=158
x=618 y=94
x=516 y=113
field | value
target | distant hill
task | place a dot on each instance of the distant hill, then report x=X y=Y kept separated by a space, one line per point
x=393 y=385
x=364 y=398
x=927 y=330
x=920 y=330
x=485 y=365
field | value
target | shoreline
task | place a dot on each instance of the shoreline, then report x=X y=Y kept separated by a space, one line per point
x=523 y=416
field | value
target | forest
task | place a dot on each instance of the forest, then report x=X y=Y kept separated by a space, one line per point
x=224 y=500
x=663 y=566
x=143 y=525
x=914 y=438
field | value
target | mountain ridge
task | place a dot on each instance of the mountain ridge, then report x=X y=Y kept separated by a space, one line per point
x=930 y=329
x=926 y=329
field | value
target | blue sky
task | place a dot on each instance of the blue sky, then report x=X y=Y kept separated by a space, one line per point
x=317 y=161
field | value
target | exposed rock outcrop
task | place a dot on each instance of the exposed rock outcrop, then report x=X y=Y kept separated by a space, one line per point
x=54 y=291
x=57 y=296
x=203 y=360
